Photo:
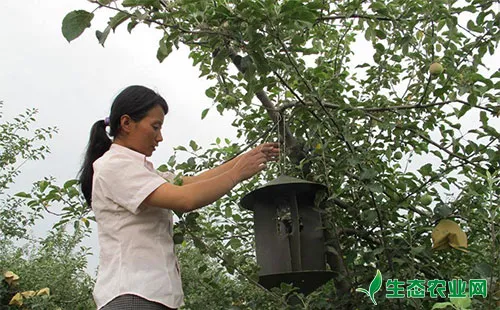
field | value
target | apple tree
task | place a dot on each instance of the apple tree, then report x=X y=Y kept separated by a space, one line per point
x=393 y=105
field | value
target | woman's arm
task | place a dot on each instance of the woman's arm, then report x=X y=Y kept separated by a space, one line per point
x=206 y=175
x=192 y=196
x=271 y=151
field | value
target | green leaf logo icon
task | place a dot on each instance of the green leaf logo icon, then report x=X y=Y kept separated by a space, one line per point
x=374 y=287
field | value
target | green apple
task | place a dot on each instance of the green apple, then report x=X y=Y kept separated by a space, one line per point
x=436 y=69
x=426 y=199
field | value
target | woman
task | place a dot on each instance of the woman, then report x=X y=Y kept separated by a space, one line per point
x=133 y=203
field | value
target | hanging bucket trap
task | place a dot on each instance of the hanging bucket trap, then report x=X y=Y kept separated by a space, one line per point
x=289 y=237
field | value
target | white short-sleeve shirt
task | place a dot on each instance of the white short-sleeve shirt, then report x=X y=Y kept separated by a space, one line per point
x=136 y=244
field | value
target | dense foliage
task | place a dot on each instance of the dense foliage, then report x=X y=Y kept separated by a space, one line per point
x=56 y=262
x=19 y=143
x=53 y=267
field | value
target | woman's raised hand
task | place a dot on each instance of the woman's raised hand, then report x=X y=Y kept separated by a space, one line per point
x=254 y=161
x=270 y=149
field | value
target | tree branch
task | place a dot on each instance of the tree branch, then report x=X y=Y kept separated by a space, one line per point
x=266 y=103
x=389 y=108
x=337 y=264
x=452 y=154
x=382 y=233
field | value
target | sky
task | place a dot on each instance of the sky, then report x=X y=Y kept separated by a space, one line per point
x=73 y=84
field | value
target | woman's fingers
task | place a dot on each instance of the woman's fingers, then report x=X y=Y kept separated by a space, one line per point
x=272 y=155
x=255 y=160
x=267 y=146
x=271 y=144
x=259 y=163
x=270 y=149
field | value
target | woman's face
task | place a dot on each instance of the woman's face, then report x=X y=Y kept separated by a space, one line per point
x=145 y=135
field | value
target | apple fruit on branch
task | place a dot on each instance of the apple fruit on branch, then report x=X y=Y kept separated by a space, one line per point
x=435 y=69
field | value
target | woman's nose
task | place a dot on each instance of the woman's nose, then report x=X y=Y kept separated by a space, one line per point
x=159 y=137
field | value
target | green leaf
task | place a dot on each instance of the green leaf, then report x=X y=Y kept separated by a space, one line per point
x=171 y=161
x=379 y=7
x=305 y=16
x=86 y=222
x=43 y=185
x=204 y=113
x=368 y=174
x=380 y=48
x=369 y=215
x=443 y=211
x=464 y=109
x=193 y=145
x=235 y=243
x=69 y=183
x=425 y=169
x=228 y=212
x=116 y=20
x=237 y=218
x=60 y=223
x=442 y=305
x=445 y=185
x=202 y=269
x=165 y=48
x=369 y=34
x=191 y=162
x=210 y=92
x=73 y=192
x=484 y=118
x=74 y=23
x=162 y=168
x=133 y=3
x=472 y=99
x=483 y=269
x=380 y=34
x=23 y=195
x=132 y=25
x=461 y=303
x=440 y=91
x=374 y=187
x=102 y=36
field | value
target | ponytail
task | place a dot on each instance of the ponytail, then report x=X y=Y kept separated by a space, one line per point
x=99 y=143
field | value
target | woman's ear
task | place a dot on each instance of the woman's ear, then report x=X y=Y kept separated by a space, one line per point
x=126 y=123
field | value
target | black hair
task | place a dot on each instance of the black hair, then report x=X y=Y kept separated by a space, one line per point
x=134 y=101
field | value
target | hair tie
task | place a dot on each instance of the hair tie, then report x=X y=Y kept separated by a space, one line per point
x=106 y=121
